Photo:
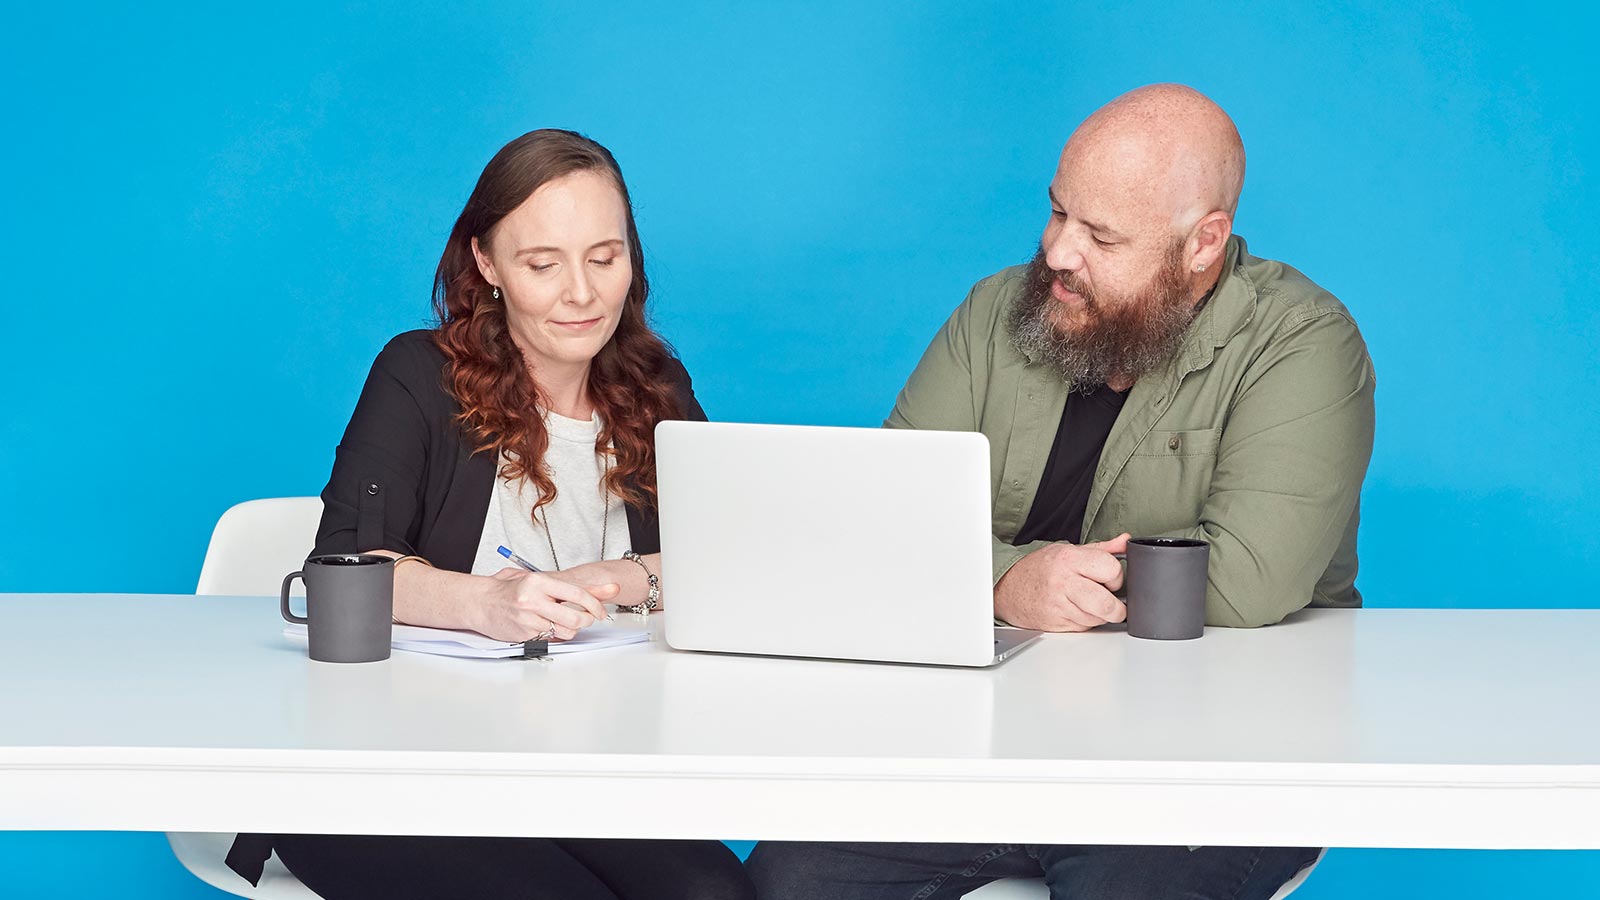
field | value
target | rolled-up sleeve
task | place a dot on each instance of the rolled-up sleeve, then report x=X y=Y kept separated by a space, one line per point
x=374 y=496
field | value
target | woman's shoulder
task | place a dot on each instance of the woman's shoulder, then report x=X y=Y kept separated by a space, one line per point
x=672 y=370
x=412 y=351
x=674 y=374
x=414 y=363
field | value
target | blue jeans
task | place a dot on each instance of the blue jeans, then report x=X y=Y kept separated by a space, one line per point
x=855 y=871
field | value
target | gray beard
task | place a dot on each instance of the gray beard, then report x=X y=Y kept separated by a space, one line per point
x=1128 y=342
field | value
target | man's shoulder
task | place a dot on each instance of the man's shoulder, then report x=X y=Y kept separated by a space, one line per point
x=1286 y=297
x=991 y=297
x=999 y=288
x=1291 y=312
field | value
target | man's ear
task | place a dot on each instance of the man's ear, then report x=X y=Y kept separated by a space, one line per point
x=485 y=267
x=1208 y=241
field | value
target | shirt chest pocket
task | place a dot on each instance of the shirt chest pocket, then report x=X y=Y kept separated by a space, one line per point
x=1166 y=480
x=1179 y=444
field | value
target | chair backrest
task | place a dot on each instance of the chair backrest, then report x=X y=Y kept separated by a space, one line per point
x=258 y=542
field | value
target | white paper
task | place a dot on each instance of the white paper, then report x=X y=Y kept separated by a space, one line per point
x=470 y=644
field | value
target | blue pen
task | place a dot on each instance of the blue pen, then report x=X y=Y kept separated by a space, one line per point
x=506 y=552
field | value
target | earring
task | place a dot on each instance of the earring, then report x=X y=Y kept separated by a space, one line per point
x=497 y=289
x=1199 y=268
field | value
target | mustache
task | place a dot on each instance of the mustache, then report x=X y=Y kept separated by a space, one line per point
x=1068 y=280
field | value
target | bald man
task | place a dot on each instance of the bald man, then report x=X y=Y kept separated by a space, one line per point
x=1143 y=375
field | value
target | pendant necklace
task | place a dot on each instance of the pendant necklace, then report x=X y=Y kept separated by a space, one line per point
x=605 y=518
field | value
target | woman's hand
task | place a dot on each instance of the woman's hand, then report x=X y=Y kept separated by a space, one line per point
x=631 y=580
x=522 y=605
x=610 y=572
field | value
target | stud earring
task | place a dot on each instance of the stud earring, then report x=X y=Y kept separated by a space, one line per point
x=1200 y=268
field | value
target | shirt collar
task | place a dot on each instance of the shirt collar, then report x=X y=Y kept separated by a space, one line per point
x=1231 y=305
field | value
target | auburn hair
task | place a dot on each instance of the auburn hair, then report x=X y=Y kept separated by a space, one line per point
x=485 y=371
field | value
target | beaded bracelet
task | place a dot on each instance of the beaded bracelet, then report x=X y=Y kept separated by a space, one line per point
x=653 y=600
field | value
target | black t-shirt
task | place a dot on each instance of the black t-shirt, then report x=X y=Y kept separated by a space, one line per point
x=1058 y=508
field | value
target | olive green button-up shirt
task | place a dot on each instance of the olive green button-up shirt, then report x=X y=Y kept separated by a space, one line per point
x=1255 y=437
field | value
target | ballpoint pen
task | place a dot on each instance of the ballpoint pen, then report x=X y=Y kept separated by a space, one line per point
x=508 y=554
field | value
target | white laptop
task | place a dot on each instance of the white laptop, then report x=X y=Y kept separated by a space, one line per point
x=841 y=543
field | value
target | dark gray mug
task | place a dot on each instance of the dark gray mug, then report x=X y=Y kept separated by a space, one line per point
x=349 y=606
x=1166 y=587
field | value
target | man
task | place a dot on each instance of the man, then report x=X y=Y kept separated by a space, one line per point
x=1144 y=375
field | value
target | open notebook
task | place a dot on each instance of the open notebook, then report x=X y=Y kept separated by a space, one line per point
x=449 y=642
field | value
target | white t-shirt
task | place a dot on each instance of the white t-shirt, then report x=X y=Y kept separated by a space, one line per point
x=578 y=516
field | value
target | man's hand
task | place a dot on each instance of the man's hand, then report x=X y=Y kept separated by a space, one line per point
x=1063 y=587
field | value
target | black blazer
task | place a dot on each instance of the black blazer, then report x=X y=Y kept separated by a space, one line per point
x=406 y=479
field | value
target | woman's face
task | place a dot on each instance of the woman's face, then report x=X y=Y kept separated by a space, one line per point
x=562 y=265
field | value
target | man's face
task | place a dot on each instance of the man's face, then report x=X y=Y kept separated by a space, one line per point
x=1107 y=294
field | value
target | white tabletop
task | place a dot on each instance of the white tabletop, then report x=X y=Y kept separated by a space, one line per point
x=1403 y=728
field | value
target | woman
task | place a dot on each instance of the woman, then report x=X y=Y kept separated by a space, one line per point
x=524 y=420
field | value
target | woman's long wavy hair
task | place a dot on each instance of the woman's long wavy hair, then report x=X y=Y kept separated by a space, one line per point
x=485 y=370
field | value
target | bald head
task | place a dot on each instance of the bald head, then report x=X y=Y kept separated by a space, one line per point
x=1167 y=148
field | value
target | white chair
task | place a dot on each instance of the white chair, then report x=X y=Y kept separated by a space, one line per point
x=254 y=545
x=203 y=852
x=1034 y=889
x=258 y=542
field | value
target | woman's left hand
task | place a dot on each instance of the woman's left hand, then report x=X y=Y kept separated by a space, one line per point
x=627 y=576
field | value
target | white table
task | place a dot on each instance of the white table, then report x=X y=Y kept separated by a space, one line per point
x=1398 y=728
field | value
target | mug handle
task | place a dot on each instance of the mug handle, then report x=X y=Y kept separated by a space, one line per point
x=283 y=605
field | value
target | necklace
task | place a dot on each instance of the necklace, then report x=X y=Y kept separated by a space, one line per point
x=605 y=517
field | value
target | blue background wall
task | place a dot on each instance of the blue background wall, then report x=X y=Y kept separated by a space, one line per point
x=213 y=220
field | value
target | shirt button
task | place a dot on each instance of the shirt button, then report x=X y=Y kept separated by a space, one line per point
x=1172 y=444
x=372 y=488
x=1016 y=483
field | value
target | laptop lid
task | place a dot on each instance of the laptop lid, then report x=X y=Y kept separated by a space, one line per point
x=848 y=543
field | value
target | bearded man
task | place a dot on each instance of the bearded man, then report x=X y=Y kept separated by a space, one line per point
x=1144 y=374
